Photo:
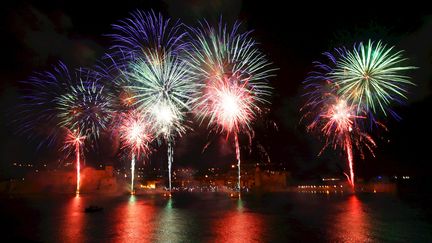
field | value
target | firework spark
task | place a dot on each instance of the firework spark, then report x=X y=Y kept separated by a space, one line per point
x=371 y=76
x=38 y=115
x=143 y=32
x=111 y=70
x=234 y=73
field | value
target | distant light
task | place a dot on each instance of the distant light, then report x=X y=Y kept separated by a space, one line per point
x=232 y=166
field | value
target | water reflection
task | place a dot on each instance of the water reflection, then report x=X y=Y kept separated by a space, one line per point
x=171 y=224
x=191 y=218
x=135 y=222
x=73 y=224
x=352 y=223
x=239 y=225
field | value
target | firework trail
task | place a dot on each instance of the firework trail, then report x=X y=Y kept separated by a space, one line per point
x=135 y=134
x=75 y=140
x=233 y=73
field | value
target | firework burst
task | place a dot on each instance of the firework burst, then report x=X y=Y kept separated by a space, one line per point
x=229 y=105
x=84 y=109
x=215 y=53
x=158 y=79
x=164 y=90
x=56 y=103
x=333 y=117
x=86 y=106
x=371 y=76
x=234 y=73
x=135 y=134
x=338 y=123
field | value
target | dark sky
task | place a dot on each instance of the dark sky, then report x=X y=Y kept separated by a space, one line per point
x=36 y=34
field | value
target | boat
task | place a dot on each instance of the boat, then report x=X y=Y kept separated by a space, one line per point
x=93 y=209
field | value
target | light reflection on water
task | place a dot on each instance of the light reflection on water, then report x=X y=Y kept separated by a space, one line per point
x=352 y=222
x=169 y=223
x=214 y=218
x=74 y=222
x=239 y=225
x=134 y=219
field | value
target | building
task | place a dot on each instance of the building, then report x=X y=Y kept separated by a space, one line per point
x=64 y=181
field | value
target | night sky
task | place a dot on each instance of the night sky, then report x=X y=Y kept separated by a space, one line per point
x=36 y=35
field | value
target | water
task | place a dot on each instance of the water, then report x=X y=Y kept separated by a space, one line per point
x=214 y=218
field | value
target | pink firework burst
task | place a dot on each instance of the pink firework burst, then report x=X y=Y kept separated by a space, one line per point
x=135 y=133
x=229 y=105
x=337 y=121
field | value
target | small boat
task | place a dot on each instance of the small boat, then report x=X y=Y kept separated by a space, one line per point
x=93 y=209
